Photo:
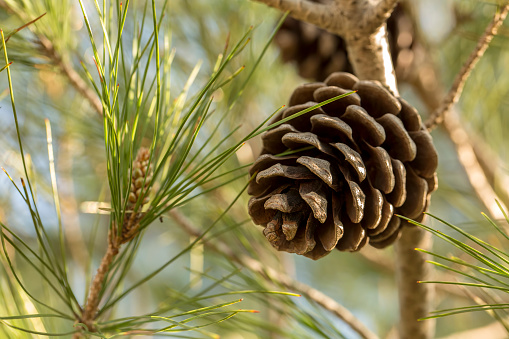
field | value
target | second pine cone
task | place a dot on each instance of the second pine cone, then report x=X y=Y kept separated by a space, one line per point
x=352 y=165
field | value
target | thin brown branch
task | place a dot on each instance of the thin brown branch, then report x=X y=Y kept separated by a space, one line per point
x=427 y=85
x=459 y=82
x=379 y=13
x=314 y=13
x=72 y=76
x=473 y=169
x=387 y=264
x=414 y=299
x=93 y=300
x=274 y=276
x=493 y=331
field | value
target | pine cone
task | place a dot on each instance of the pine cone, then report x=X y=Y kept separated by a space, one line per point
x=319 y=53
x=352 y=165
x=140 y=182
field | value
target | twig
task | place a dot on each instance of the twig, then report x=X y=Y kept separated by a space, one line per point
x=459 y=82
x=314 y=13
x=387 y=264
x=361 y=23
x=66 y=69
x=414 y=299
x=493 y=331
x=93 y=299
x=380 y=12
x=71 y=74
x=473 y=169
x=272 y=276
x=477 y=172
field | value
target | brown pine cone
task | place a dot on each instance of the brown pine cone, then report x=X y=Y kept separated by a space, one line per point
x=319 y=53
x=140 y=189
x=349 y=167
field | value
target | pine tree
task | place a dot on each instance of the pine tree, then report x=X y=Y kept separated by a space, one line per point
x=132 y=132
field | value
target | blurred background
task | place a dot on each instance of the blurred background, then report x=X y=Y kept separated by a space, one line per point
x=430 y=41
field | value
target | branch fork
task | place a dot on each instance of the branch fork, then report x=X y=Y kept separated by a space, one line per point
x=361 y=23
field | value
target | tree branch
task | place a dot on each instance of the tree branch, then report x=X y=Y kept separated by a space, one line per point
x=427 y=86
x=93 y=300
x=365 y=35
x=314 y=13
x=379 y=13
x=371 y=58
x=414 y=299
x=277 y=277
x=459 y=82
x=74 y=78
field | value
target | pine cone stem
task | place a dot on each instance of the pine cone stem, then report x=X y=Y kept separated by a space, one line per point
x=361 y=23
x=370 y=55
x=93 y=299
x=415 y=298
x=129 y=228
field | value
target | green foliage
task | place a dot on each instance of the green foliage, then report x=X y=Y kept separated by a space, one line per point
x=486 y=268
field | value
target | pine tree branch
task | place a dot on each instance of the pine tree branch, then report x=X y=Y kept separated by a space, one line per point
x=360 y=23
x=459 y=82
x=493 y=331
x=415 y=299
x=70 y=73
x=93 y=300
x=65 y=68
x=273 y=276
x=477 y=171
x=314 y=13
x=370 y=57
x=379 y=13
x=387 y=264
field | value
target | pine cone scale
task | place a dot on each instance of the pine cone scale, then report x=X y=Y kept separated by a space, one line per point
x=398 y=194
x=374 y=204
x=331 y=127
x=313 y=194
x=353 y=237
x=353 y=158
x=398 y=142
x=322 y=169
x=330 y=232
x=380 y=171
x=355 y=202
x=365 y=125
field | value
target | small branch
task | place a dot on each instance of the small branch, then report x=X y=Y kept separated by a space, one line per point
x=459 y=82
x=493 y=331
x=428 y=88
x=93 y=299
x=272 y=276
x=314 y=13
x=473 y=168
x=414 y=299
x=379 y=13
x=74 y=78
x=387 y=263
